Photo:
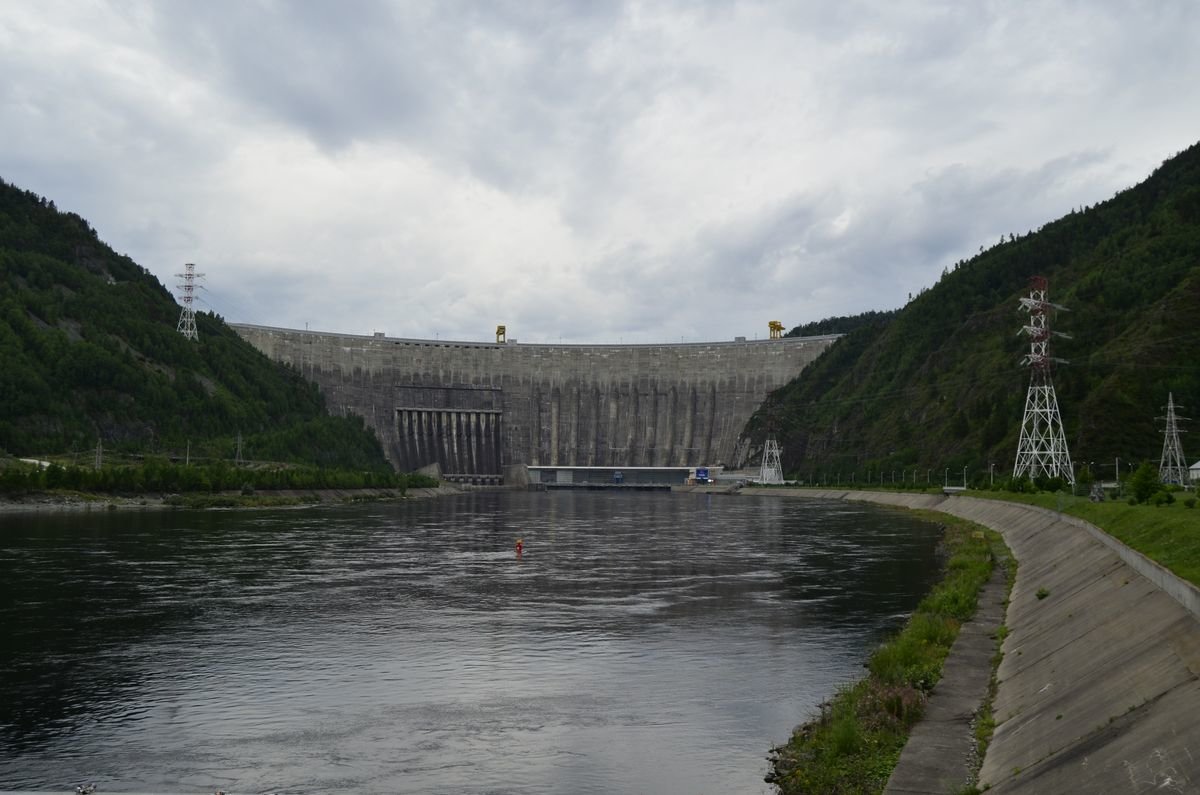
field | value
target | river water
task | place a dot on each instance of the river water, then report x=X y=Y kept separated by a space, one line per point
x=642 y=643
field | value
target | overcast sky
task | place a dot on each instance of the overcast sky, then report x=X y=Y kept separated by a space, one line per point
x=590 y=171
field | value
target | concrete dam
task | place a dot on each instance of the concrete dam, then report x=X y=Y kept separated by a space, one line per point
x=479 y=408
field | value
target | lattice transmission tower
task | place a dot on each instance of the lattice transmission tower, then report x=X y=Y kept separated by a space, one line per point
x=187 y=294
x=1171 y=467
x=1042 y=449
x=772 y=468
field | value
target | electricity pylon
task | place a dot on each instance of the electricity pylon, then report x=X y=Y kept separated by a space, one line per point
x=1042 y=448
x=1171 y=467
x=187 y=317
x=772 y=469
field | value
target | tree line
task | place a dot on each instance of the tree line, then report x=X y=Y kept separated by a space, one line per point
x=163 y=476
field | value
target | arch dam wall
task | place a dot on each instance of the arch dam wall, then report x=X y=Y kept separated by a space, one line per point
x=477 y=408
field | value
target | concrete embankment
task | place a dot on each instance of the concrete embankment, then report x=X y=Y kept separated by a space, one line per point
x=1099 y=688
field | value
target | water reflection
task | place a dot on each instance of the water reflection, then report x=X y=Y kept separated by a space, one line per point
x=642 y=642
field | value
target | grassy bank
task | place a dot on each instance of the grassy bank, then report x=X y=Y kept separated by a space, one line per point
x=239 y=500
x=1165 y=533
x=854 y=743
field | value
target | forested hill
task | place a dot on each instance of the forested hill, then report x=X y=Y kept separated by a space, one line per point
x=842 y=324
x=90 y=353
x=940 y=384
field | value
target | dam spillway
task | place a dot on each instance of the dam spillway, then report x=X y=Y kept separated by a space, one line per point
x=479 y=408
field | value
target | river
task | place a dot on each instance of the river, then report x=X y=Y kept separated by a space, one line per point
x=641 y=643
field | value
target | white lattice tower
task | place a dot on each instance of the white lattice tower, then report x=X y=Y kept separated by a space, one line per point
x=772 y=468
x=1171 y=467
x=1042 y=448
x=187 y=295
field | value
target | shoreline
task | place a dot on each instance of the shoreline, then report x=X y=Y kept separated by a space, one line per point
x=1099 y=671
x=942 y=749
x=54 y=502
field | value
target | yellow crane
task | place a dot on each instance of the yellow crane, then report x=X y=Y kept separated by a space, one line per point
x=776 y=329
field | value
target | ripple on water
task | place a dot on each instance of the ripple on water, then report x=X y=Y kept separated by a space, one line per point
x=643 y=643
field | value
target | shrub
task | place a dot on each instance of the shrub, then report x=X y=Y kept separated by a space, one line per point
x=1044 y=483
x=845 y=736
x=889 y=707
x=1144 y=482
x=934 y=629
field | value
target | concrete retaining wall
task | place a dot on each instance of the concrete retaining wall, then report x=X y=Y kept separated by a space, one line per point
x=466 y=405
x=1099 y=689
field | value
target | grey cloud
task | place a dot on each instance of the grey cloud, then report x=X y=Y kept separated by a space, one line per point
x=941 y=218
x=497 y=86
x=334 y=74
x=747 y=252
x=927 y=129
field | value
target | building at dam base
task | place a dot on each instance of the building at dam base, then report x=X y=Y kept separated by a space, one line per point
x=487 y=409
x=618 y=477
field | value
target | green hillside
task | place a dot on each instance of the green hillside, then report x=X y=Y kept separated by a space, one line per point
x=939 y=384
x=90 y=352
x=841 y=324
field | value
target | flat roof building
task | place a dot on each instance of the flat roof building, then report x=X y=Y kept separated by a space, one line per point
x=617 y=477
